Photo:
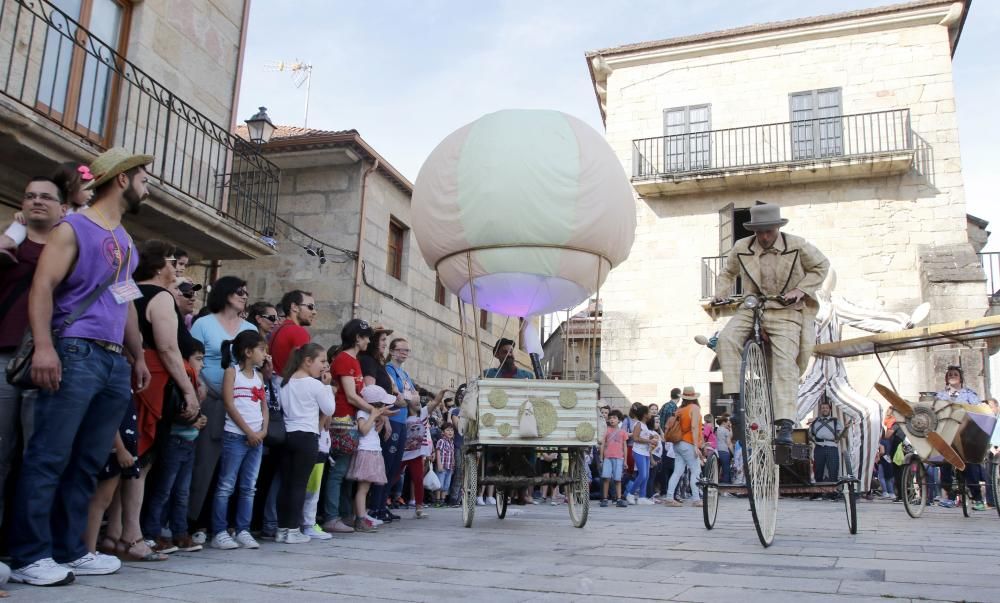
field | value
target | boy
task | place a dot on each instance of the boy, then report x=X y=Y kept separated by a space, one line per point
x=613 y=458
x=445 y=463
x=170 y=495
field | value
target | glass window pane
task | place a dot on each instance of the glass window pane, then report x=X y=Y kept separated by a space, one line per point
x=54 y=78
x=95 y=86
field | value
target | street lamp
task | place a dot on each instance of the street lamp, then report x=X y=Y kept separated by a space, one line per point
x=260 y=127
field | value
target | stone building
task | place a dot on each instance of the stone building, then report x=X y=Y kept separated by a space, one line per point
x=341 y=202
x=846 y=121
x=573 y=349
x=158 y=77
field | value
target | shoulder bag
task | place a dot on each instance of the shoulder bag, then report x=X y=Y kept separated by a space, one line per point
x=276 y=433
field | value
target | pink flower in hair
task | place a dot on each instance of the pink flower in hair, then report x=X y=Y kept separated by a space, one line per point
x=85 y=174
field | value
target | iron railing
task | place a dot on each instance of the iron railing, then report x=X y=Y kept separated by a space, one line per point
x=711 y=268
x=778 y=144
x=990 y=261
x=60 y=70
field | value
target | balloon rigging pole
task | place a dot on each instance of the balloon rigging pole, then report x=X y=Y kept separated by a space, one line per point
x=592 y=360
x=461 y=325
x=475 y=312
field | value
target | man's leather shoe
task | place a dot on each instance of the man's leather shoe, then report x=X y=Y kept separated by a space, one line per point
x=784 y=435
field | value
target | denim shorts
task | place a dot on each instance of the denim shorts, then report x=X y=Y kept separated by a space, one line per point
x=612 y=469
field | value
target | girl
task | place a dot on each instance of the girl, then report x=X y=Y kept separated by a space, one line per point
x=643 y=440
x=245 y=428
x=305 y=397
x=724 y=437
x=416 y=448
x=367 y=466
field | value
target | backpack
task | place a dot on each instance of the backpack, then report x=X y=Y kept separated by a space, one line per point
x=672 y=433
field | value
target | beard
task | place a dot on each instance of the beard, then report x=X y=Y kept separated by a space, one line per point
x=132 y=200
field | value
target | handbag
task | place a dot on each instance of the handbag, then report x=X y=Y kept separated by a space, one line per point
x=19 y=366
x=276 y=433
x=673 y=433
x=344 y=436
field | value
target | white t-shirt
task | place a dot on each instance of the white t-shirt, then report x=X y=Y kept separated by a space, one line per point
x=248 y=393
x=302 y=401
x=417 y=428
x=668 y=450
x=369 y=441
x=324 y=440
x=642 y=447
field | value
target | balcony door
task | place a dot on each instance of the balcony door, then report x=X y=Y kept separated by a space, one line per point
x=816 y=124
x=77 y=86
x=686 y=138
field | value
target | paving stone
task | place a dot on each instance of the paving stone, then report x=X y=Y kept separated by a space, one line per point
x=720 y=594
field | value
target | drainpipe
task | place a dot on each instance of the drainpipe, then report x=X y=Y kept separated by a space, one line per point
x=361 y=239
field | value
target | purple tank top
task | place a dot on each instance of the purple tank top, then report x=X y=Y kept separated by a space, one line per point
x=96 y=261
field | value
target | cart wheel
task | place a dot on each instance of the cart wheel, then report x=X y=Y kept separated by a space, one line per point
x=963 y=488
x=578 y=492
x=758 y=450
x=710 y=491
x=995 y=477
x=914 y=488
x=501 y=496
x=470 y=487
x=849 y=490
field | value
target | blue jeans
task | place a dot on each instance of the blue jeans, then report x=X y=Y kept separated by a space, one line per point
x=337 y=501
x=392 y=455
x=168 y=501
x=638 y=485
x=685 y=458
x=75 y=429
x=725 y=466
x=238 y=466
x=885 y=478
x=271 y=504
x=445 y=478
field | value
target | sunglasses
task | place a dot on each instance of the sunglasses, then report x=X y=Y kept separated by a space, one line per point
x=269 y=317
x=188 y=294
x=310 y=306
x=242 y=292
x=173 y=261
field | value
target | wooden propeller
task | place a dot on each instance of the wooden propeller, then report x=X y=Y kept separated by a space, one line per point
x=946 y=450
x=902 y=406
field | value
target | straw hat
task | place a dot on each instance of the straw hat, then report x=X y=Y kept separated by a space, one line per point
x=112 y=162
x=689 y=393
x=765 y=217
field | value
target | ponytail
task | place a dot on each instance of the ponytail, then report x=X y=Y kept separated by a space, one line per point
x=297 y=358
x=227 y=353
x=235 y=350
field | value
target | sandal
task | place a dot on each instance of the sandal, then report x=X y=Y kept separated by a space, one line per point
x=126 y=553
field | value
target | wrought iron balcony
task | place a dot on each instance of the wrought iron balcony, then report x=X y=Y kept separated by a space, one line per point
x=711 y=268
x=766 y=154
x=990 y=261
x=58 y=69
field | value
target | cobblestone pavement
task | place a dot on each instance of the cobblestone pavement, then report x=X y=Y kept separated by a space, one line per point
x=644 y=552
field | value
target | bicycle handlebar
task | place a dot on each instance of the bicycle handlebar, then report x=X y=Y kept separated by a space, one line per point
x=732 y=301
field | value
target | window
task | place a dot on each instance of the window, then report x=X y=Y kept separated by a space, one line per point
x=78 y=85
x=816 y=125
x=484 y=319
x=440 y=295
x=686 y=143
x=397 y=239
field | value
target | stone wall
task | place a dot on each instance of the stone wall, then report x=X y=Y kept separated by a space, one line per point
x=874 y=230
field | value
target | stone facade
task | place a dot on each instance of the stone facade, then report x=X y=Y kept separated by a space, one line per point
x=321 y=196
x=888 y=235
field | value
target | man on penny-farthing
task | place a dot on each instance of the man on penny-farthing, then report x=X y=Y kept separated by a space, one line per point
x=773 y=263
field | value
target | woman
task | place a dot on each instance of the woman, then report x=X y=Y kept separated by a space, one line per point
x=955 y=391
x=687 y=452
x=227 y=299
x=724 y=437
x=264 y=316
x=375 y=372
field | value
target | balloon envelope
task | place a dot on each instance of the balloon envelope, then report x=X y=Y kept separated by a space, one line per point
x=533 y=205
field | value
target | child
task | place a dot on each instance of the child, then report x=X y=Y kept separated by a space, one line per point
x=169 y=495
x=549 y=464
x=245 y=428
x=445 y=463
x=414 y=449
x=305 y=397
x=309 y=526
x=367 y=466
x=643 y=440
x=613 y=458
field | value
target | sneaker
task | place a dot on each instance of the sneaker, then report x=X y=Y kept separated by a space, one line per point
x=281 y=535
x=390 y=517
x=337 y=526
x=490 y=500
x=316 y=533
x=164 y=546
x=224 y=541
x=621 y=503
x=644 y=501
x=552 y=501
x=94 y=564
x=199 y=537
x=186 y=545
x=630 y=498
x=420 y=514
x=374 y=520
x=413 y=503
x=362 y=525
x=44 y=572
x=947 y=504
x=295 y=536
x=245 y=540
x=480 y=502
x=978 y=506
x=604 y=502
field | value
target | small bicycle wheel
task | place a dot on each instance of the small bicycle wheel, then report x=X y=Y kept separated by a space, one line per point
x=995 y=478
x=501 y=496
x=849 y=490
x=470 y=487
x=710 y=491
x=963 y=489
x=758 y=449
x=914 y=488
x=578 y=491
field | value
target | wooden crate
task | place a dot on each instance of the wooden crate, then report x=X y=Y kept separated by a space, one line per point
x=569 y=408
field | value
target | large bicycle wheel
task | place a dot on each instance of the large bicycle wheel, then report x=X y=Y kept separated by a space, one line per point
x=501 y=496
x=710 y=491
x=578 y=491
x=470 y=487
x=849 y=490
x=914 y=488
x=994 y=476
x=758 y=450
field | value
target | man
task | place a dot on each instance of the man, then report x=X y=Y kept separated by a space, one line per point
x=185 y=292
x=42 y=206
x=82 y=373
x=670 y=407
x=300 y=312
x=824 y=432
x=503 y=350
x=775 y=264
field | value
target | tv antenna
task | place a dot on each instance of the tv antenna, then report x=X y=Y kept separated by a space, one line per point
x=301 y=74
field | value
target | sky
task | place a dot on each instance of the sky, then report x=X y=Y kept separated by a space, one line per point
x=405 y=74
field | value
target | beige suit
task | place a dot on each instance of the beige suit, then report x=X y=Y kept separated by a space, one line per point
x=792 y=263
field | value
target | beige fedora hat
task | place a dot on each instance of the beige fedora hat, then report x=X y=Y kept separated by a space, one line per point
x=112 y=162
x=689 y=393
x=765 y=217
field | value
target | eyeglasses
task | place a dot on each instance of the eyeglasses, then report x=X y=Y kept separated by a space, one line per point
x=310 y=306
x=242 y=292
x=269 y=317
